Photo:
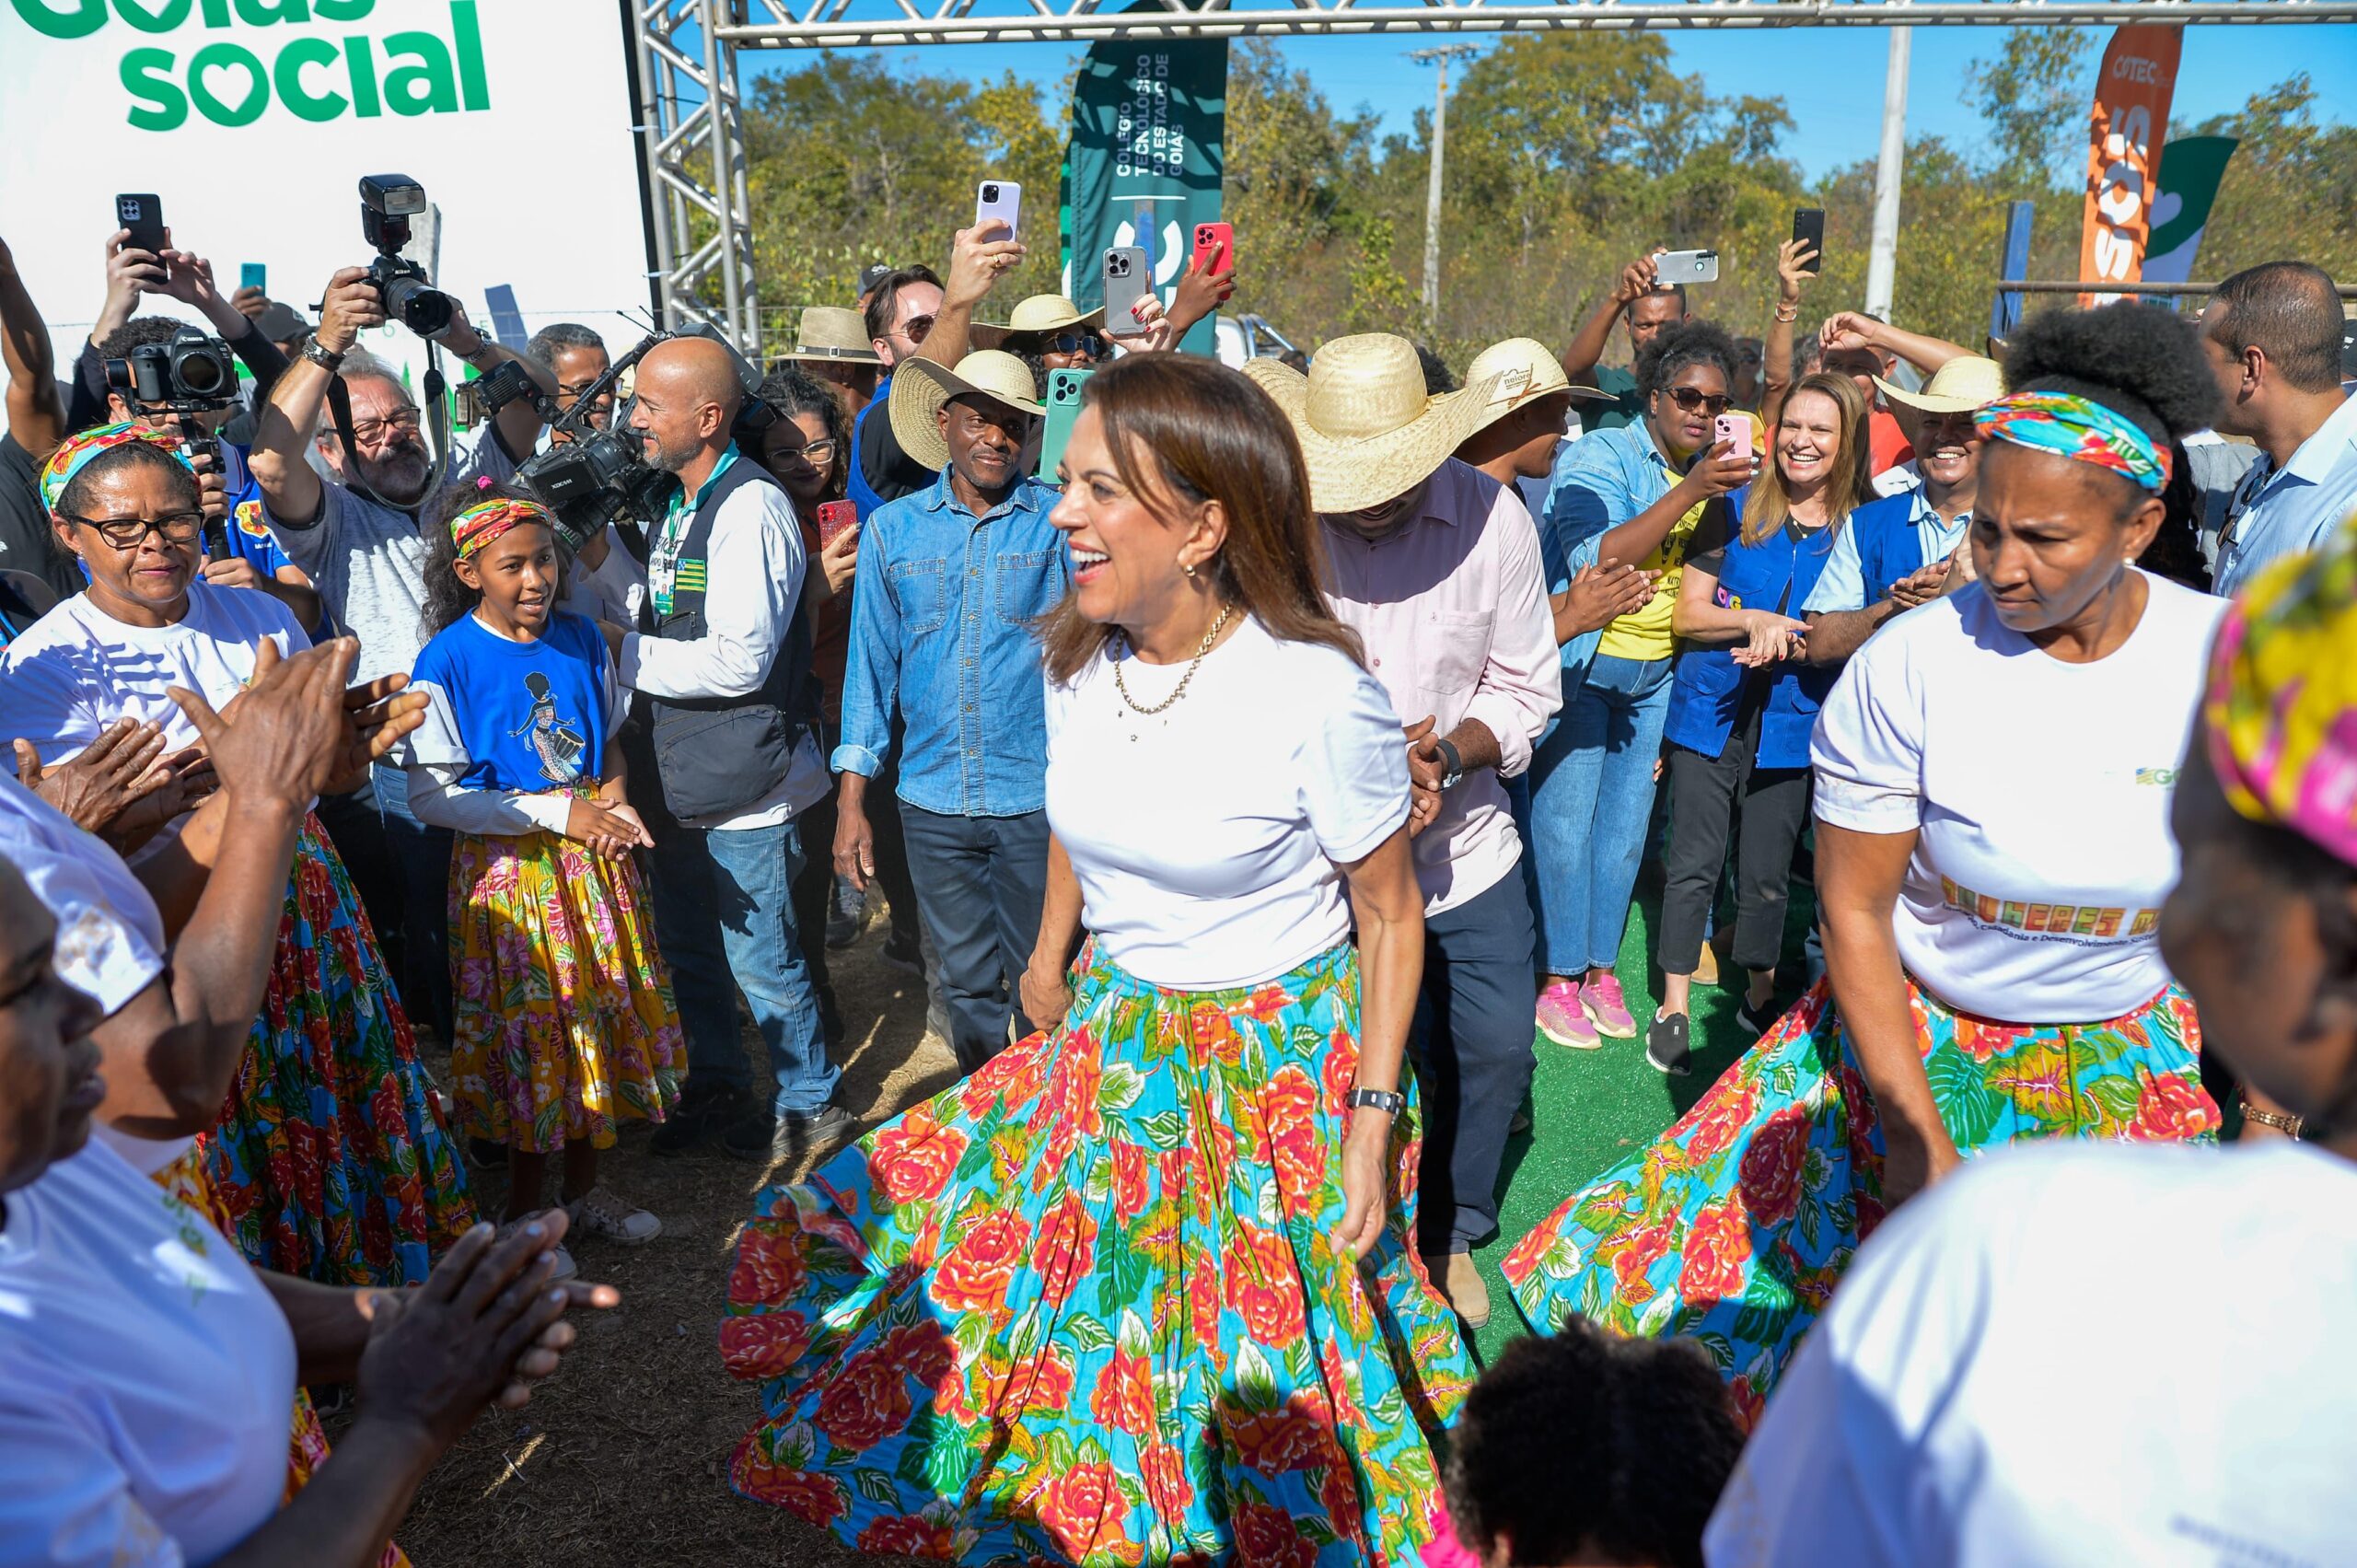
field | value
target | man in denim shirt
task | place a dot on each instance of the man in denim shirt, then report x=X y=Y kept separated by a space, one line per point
x=952 y=578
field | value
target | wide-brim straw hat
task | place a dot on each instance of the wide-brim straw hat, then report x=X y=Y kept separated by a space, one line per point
x=1524 y=368
x=1367 y=430
x=1041 y=313
x=920 y=388
x=832 y=335
x=1964 y=383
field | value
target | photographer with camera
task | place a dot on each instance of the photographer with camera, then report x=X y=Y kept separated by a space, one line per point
x=175 y=274
x=357 y=535
x=722 y=656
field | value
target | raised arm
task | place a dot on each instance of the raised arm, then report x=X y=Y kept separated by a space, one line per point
x=1850 y=330
x=280 y=459
x=975 y=264
x=36 y=413
x=1776 y=348
x=1587 y=345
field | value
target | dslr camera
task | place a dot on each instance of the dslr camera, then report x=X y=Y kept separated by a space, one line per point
x=387 y=203
x=190 y=373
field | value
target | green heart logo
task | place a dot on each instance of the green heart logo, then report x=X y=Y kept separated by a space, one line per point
x=229 y=58
x=167 y=16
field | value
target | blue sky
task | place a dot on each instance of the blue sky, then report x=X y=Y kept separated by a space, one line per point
x=2224 y=65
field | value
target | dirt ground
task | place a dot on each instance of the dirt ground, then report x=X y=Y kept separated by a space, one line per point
x=622 y=1462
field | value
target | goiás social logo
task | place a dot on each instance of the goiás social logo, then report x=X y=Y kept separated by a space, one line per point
x=229 y=61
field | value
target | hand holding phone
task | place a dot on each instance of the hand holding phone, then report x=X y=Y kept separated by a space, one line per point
x=1732 y=432
x=1215 y=248
x=1129 y=279
x=834 y=516
x=1673 y=267
x=143 y=217
x=1002 y=200
x=253 y=275
x=1808 y=231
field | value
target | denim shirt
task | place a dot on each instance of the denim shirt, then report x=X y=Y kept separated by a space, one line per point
x=1603 y=479
x=941 y=617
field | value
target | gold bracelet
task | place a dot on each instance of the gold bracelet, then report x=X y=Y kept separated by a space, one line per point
x=2287 y=1125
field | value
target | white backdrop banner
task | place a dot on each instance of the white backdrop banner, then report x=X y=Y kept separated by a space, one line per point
x=253 y=120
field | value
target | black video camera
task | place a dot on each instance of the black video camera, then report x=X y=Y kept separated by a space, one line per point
x=387 y=203
x=189 y=373
x=593 y=477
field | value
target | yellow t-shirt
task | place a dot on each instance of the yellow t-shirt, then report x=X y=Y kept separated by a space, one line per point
x=1644 y=634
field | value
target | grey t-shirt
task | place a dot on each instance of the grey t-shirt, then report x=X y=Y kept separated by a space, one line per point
x=368 y=560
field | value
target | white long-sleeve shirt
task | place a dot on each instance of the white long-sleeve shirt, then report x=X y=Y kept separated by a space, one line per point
x=753 y=570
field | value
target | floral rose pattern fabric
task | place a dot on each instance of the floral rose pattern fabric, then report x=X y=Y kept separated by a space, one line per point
x=562 y=1007
x=1085 y=1307
x=1737 y=1222
x=329 y=1160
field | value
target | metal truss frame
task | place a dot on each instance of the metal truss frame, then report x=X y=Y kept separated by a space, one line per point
x=691 y=139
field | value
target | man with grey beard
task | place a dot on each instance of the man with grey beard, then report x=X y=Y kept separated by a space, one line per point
x=358 y=534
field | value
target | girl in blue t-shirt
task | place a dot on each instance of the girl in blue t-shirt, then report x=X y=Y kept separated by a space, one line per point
x=563 y=1013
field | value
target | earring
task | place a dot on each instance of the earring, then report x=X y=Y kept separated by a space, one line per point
x=1187 y=567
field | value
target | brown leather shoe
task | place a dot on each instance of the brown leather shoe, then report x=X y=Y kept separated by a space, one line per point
x=1706 y=968
x=1459 y=1280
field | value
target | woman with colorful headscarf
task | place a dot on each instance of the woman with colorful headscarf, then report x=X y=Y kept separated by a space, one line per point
x=1969 y=1399
x=328 y=1157
x=1993 y=778
x=564 y=1022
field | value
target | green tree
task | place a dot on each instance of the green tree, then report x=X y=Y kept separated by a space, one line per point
x=2036 y=96
x=2290 y=191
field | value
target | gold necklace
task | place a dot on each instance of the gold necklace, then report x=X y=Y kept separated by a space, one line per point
x=1201 y=654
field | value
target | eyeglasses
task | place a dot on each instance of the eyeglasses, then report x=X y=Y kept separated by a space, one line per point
x=916 y=327
x=368 y=432
x=812 y=454
x=129 y=533
x=1075 y=342
x=1712 y=403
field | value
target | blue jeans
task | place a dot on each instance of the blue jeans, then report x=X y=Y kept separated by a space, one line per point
x=724 y=914
x=1591 y=793
x=423 y=854
x=980 y=882
x=1473 y=1046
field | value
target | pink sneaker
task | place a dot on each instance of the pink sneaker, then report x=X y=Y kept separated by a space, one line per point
x=1607 y=1009
x=1561 y=1019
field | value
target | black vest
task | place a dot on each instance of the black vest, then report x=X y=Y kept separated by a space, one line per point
x=715 y=754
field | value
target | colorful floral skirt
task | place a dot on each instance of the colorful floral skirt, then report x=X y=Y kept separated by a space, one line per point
x=561 y=1012
x=1085 y=1307
x=307 y=1443
x=329 y=1159
x=1736 y=1226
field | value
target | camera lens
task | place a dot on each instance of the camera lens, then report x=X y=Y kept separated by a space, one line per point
x=990 y=192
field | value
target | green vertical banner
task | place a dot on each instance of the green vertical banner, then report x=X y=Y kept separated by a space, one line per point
x=1144 y=164
x=2191 y=168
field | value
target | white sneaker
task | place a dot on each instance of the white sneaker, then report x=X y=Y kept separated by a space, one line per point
x=599 y=1212
x=565 y=1267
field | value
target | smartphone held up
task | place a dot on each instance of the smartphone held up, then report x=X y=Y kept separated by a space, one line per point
x=1000 y=200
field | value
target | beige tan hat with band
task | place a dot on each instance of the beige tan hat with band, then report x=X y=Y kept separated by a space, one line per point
x=833 y=335
x=1041 y=313
x=1367 y=430
x=920 y=388
x=1525 y=369
x=1963 y=384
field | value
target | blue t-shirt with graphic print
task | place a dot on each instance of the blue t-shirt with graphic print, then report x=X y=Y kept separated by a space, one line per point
x=530 y=715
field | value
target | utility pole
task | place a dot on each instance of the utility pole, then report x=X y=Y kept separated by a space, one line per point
x=1882 y=260
x=1440 y=57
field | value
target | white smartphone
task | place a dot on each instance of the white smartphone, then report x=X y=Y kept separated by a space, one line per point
x=1686 y=266
x=1003 y=200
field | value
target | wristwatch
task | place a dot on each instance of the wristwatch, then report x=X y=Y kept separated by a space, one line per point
x=1452 y=763
x=1385 y=1100
x=2286 y=1125
x=320 y=353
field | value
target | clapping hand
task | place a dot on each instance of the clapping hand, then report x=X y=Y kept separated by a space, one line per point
x=95 y=787
x=1770 y=638
x=1921 y=586
x=1602 y=593
x=1426 y=771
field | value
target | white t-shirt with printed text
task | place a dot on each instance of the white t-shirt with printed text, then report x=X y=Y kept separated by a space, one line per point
x=2039 y=792
x=1206 y=837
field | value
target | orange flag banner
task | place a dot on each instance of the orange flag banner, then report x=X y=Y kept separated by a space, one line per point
x=2125 y=131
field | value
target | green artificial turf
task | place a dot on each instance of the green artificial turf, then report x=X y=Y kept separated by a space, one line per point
x=1590 y=1110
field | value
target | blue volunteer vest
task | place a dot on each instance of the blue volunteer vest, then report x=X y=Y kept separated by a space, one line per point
x=863 y=495
x=1710 y=685
x=1889 y=546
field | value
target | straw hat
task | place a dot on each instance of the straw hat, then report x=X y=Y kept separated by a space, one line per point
x=1524 y=368
x=1041 y=313
x=920 y=388
x=834 y=334
x=1367 y=430
x=1964 y=383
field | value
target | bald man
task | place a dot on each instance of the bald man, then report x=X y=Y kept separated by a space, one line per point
x=722 y=657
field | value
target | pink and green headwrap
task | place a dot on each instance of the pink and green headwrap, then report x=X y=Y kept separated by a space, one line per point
x=2281 y=711
x=2076 y=428
x=76 y=453
x=486 y=520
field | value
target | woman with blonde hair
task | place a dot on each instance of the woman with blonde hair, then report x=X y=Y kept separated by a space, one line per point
x=1743 y=704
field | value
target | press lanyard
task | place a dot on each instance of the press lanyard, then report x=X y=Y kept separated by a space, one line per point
x=663 y=560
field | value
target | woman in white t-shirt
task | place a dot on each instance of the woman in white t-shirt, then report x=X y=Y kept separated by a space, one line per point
x=146 y=1372
x=1930 y=1415
x=328 y=1156
x=1144 y=1287
x=1993 y=778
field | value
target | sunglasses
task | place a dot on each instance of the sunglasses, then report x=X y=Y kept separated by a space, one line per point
x=129 y=533
x=916 y=327
x=1075 y=342
x=1688 y=399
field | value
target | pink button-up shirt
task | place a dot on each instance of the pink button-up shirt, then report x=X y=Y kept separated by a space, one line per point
x=1454 y=617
